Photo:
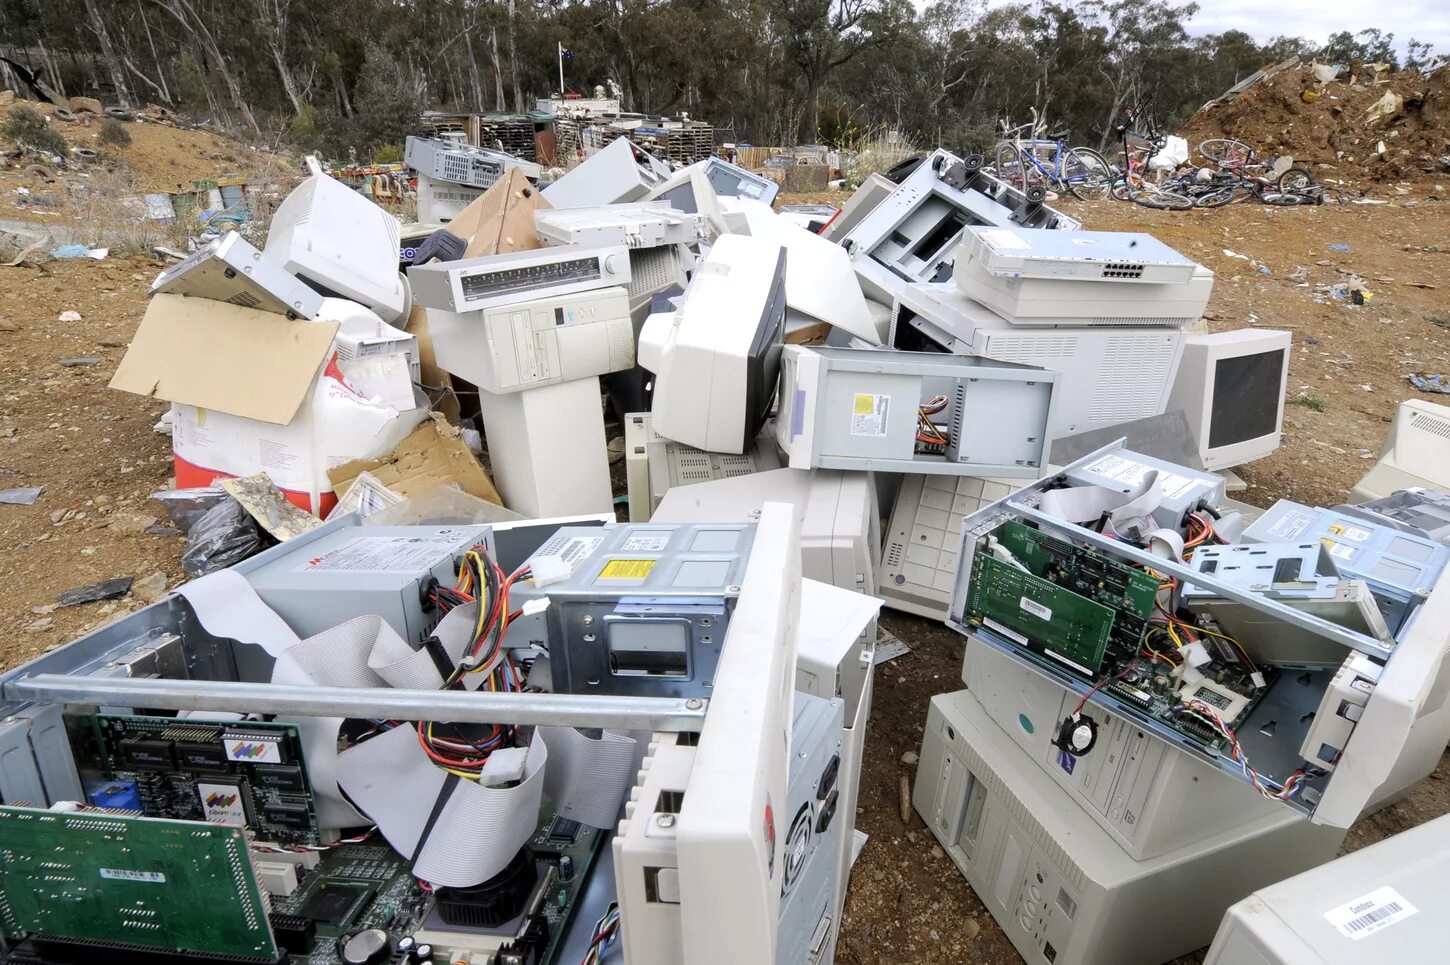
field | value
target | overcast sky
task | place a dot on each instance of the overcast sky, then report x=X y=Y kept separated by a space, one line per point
x=1317 y=19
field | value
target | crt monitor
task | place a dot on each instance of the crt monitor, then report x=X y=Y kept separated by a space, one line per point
x=1230 y=385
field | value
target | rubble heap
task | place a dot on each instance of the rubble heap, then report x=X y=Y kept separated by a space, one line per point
x=1362 y=125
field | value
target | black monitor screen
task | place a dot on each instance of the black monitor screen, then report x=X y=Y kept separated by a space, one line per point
x=1245 y=398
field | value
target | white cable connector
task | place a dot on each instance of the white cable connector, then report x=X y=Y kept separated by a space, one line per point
x=549 y=569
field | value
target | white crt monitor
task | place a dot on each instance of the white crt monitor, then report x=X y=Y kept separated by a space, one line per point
x=1416 y=453
x=341 y=244
x=1231 y=385
x=717 y=359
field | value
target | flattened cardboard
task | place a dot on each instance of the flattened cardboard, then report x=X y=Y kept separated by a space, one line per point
x=435 y=454
x=502 y=218
x=224 y=357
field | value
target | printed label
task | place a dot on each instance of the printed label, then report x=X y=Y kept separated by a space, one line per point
x=1340 y=550
x=868 y=414
x=1132 y=474
x=1354 y=534
x=646 y=543
x=998 y=628
x=1290 y=526
x=1370 y=913
x=121 y=874
x=626 y=569
x=222 y=803
x=1035 y=608
x=572 y=552
x=386 y=554
x=253 y=751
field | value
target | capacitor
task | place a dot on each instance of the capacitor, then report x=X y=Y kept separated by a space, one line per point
x=366 y=947
x=566 y=868
x=423 y=953
x=406 y=943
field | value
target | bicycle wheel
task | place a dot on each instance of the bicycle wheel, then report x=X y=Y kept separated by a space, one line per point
x=1225 y=150
x=1285 y=199
x=1150 y=197
x=1296 y=180
x=1215 y=197
x=1009 y=165
x=1119 y=190
x=1087 y=174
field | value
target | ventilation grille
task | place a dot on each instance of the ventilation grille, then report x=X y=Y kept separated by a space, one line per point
x=245 y=299
x=1131 y=380
x=1032 y=349
x=692 y=466
x=1122 y=269
x=1430 y=423
x=1159 y=322
x=894 y=552
x=652 y=269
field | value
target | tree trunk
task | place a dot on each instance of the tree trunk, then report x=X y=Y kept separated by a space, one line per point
x=108 y=53
x=187 y=16
x=155 y=59
x=49 y=62
x=497 y=70
x=289 y=87
x=473 y=75
x=514 y=61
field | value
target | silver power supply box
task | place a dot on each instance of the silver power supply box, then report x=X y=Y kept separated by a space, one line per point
x=356 y=570
x=635 y=610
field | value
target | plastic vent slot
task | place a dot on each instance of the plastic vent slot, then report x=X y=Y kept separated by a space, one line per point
x=1431 y=424
x=1121 y=392
x=1159 y=322
x=245 y=299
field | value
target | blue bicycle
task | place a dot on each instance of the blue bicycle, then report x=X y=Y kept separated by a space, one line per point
x=1049 y=162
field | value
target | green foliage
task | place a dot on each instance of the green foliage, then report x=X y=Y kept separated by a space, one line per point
x=1309 y=402
x=113 y=134
x=387 y=104
x=388 y=154
x=191 y=84
x=26 y=127
x=1371 y=46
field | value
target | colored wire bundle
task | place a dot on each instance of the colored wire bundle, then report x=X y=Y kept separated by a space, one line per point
x=1291 y=786
x=926 y=430
x=603 y=936
x=300 y=848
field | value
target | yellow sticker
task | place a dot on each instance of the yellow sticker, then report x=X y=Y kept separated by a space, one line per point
x=865 y=404
x=626 y=569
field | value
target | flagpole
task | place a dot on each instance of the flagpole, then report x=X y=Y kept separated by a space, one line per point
x=561 y=68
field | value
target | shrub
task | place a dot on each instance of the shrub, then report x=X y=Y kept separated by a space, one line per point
x=113 y=134
x=27 y=128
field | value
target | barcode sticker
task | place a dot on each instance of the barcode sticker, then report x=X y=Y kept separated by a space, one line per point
x=1035 y=608
x=1370 y=913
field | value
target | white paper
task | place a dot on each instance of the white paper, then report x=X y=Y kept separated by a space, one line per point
x=227 y=606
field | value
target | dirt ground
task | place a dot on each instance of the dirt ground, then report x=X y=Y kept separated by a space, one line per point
x=96 y=455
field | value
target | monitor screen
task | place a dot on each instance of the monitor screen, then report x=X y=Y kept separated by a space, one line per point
x=1245 y=402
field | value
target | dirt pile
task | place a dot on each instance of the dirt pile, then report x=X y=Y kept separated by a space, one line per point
x=1338 y=127
x=160 y=157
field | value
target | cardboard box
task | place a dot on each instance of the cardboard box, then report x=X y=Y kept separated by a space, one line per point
x=253 y=392
x=433 y=455
x=502 y=219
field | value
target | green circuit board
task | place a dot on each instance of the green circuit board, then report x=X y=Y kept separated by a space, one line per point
x=143 y=883
x=1068 y=601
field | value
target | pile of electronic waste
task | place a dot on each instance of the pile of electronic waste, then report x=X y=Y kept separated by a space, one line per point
x=433 y=735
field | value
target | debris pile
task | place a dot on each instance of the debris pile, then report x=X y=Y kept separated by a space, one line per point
x=1364 y=125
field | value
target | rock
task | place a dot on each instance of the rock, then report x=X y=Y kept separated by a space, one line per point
x=73 y=363
x=92 y=592
x=69 y=316
x=6 y=325
x=59 y=516
x=150 y=588
x=44 y=623
x=909 y=758
x=937 y=852
x=79 y=104
x=970 y=929
x=112 y=341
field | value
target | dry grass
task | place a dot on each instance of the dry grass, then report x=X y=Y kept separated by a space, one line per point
x=875 y=153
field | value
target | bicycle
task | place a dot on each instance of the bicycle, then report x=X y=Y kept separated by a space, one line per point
x=1083 y=172
x=1132 y=185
